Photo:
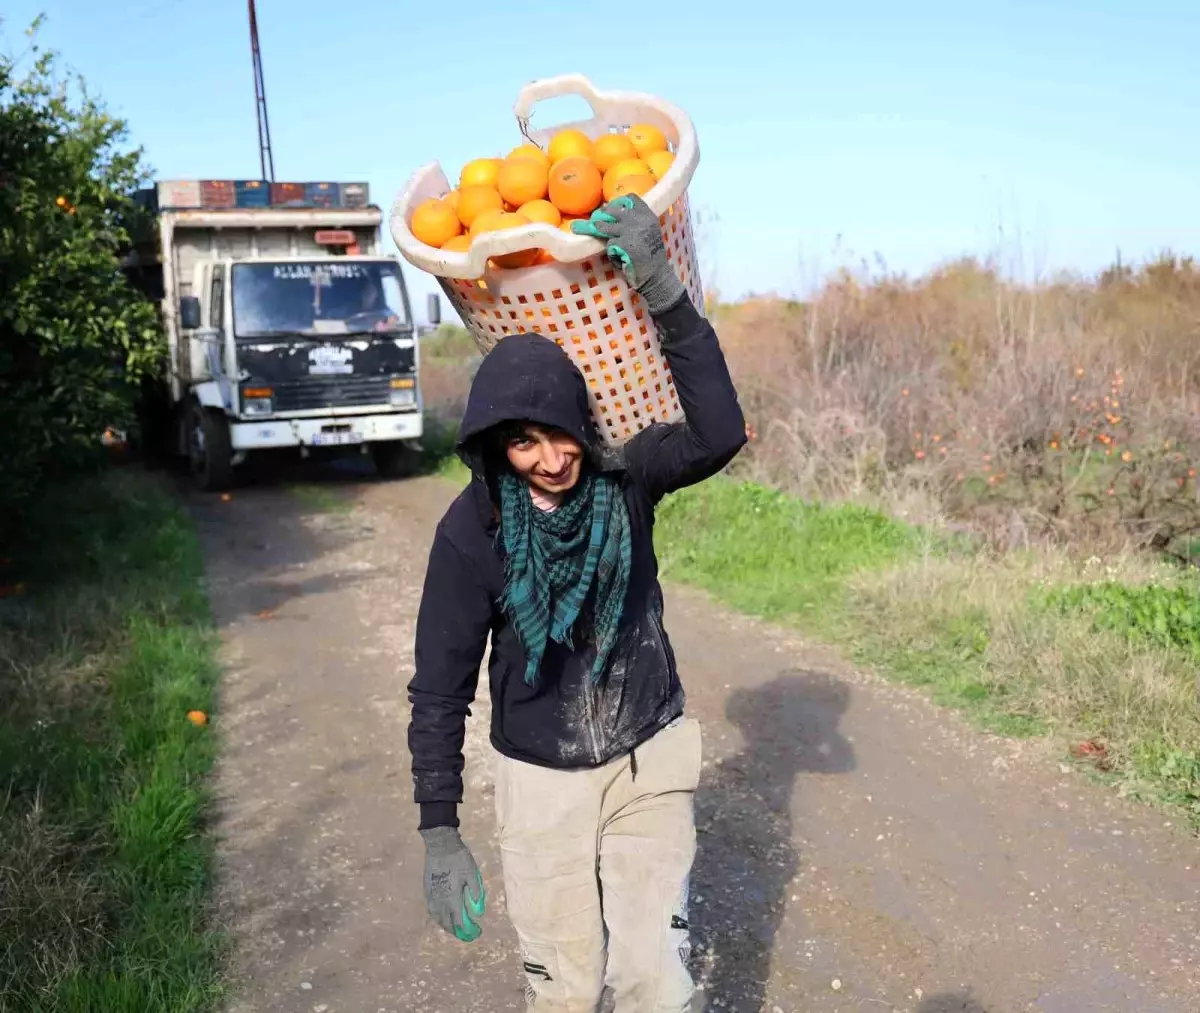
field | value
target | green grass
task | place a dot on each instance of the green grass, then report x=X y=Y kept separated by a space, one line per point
x=106 y=861
x=1168 y=617
x=771 y=555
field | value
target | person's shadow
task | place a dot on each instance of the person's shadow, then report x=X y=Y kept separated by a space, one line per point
x=746 y=859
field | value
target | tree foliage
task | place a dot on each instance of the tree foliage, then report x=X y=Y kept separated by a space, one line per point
x=76 y=340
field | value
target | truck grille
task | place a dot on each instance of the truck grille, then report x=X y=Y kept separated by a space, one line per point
x=331 y=392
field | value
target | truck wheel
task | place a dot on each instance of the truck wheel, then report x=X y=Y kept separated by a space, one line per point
x=395 y=458
x=210 y=453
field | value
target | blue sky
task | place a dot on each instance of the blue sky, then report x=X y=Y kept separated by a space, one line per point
x=1052 y=133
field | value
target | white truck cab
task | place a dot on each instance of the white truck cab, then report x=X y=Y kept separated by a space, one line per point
x=286 y=326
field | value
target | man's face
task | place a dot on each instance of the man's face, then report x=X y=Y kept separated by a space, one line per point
x=549 y=460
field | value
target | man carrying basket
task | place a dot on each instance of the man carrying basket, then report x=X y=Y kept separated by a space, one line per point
x=549 y=551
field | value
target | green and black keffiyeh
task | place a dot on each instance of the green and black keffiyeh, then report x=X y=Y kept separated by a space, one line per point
x=555 y=558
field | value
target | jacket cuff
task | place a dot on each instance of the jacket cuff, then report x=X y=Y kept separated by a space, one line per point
x=680 y=316
x=438 y=814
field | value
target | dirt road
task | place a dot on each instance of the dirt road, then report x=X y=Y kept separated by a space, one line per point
x=859 y=849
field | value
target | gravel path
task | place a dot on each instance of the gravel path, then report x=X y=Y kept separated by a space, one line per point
x=860 y=850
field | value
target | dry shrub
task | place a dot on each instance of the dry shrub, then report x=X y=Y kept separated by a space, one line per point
x=449 y=358
x=1065 y=410
x=444 y=387
x=1138 y=698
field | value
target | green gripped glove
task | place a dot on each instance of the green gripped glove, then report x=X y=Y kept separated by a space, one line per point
x=635 y=242
x=454 y=892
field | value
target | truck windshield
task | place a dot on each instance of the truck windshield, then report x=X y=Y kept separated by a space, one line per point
x=317 y=299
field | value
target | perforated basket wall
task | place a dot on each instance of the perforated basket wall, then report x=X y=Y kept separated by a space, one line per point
x=590 y=311
x=579 y=299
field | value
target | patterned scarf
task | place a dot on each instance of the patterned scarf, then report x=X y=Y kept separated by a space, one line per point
x=553 y=559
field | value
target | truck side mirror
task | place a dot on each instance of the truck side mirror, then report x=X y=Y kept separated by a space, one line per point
x=189 y=312
x=433 y=309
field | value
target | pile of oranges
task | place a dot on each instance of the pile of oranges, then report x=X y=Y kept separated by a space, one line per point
x=567 y=181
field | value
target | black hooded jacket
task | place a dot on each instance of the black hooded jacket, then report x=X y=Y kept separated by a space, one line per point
x=565 y=720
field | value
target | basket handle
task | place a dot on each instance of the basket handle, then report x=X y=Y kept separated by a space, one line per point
x=553 y=87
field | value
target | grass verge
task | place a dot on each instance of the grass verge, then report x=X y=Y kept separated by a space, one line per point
x=105 y=647
x=1103 y=655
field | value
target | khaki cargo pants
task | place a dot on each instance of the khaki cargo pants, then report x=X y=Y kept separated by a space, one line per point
x=596 y=865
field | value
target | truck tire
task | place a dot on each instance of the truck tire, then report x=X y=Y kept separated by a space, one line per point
x=395 y=458
x=210 y=452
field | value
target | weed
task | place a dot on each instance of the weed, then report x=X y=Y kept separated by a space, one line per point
x=1164 y=616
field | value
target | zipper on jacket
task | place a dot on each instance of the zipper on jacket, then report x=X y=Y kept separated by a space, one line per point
x=633 y=762
x=662 y=647
x=593 y=731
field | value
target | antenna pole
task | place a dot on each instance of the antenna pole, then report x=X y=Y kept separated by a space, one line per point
x=265 y=158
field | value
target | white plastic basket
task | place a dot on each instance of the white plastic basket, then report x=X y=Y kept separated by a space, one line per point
x=581 y=300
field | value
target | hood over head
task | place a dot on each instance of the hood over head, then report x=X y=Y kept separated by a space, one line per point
x=525 y=377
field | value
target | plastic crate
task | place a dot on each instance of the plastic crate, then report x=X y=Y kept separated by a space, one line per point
x=321 y=195
x=283 y=194
x=252 y=193
x=354 y=195
x=581 y=300
x=217 y=193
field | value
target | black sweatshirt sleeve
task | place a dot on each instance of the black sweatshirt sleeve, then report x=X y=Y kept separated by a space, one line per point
x=452 y=630
x=664 y=458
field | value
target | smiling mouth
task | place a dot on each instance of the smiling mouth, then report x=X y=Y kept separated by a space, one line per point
x=559 y=476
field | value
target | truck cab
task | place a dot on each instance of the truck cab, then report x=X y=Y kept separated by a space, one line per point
x=286 y=327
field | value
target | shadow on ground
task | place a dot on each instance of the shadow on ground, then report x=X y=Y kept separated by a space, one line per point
x=746 y=858
x=951 y=1002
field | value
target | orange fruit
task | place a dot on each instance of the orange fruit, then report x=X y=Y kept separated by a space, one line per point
x=510 y=220
x=569 y=143
x=629 y=167
x=530 y=151
x=459 y=244
x=476 y=198
x=566 y=224
x=480 y=172
x=609 y=149
x=452 y=199
x=197 y=717
x=522 y=180
x=659 y=162
x=483 y=221
x=434 y=222
x=544 y=257
x=541 y=211
x=640 y=183
x=647 y=139
x=576 y=186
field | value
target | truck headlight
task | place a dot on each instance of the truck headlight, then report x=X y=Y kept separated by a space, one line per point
x=257 y=401
x=403 y=392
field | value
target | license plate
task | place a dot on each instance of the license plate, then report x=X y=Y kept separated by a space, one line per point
x=336 y=439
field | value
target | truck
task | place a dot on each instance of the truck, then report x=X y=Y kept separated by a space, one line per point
x=286 y=325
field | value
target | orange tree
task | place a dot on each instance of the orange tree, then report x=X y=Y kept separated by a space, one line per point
x=76 y=340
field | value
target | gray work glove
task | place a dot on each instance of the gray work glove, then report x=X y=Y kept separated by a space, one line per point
x=454 y=892
x=635 y=242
